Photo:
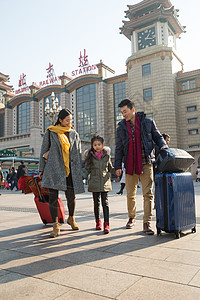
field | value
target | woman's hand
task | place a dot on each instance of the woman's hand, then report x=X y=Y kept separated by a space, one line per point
x=40 y=174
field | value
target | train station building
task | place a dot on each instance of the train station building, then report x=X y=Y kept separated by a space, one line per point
x=155 y=80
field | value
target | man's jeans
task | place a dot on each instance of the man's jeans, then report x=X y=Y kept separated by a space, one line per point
x=147 y=185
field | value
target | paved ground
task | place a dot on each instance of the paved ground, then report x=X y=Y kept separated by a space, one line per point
x=86 y=264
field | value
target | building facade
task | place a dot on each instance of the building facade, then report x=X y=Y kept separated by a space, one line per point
x=155 y=81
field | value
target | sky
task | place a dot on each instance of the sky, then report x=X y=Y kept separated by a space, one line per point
x=34 y=33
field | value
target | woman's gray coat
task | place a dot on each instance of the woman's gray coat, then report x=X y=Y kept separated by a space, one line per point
x=54 y=175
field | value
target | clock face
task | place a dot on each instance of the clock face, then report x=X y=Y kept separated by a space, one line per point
x=146 y=38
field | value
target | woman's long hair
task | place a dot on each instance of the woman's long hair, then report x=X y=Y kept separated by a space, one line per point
x=88 y=158
x=62 y=115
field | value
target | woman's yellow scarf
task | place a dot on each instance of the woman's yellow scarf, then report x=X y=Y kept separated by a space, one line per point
x=64 y=142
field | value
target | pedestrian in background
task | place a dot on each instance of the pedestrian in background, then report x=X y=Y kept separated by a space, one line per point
x=22 y=171
x=1 y=178
x=98 y=167
x=198 y=175
x=13 y=179
x=122 y=180
x=62 y=170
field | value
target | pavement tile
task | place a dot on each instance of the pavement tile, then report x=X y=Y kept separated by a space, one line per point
x=18 y=287
x=135 y=249
x=185 y=257
x=87 y=256
x=11 y=255
x=157 y=269
x=76 y=294
x=94 y=280
x=196 y=280
x=148 y=288
x=34 y=266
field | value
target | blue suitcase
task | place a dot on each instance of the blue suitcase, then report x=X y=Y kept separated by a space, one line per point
x=175 y=203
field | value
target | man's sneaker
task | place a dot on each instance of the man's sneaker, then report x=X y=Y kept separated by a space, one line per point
x=147 y=228
x=130 y=223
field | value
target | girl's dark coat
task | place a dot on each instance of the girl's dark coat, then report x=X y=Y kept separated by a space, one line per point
x=99 y=177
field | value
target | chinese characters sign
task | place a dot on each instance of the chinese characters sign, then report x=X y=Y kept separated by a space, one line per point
x=51 y=77
x=84 y=66
x=22 y=85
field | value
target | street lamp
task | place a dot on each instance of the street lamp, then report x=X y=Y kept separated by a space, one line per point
x=52 y=112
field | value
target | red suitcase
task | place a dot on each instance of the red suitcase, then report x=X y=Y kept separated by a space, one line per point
x=43 y=209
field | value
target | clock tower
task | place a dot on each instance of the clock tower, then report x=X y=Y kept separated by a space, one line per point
x=153 y=28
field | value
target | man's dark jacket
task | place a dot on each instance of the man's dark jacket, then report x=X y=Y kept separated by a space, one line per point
x=149 y=134
x=22 y=171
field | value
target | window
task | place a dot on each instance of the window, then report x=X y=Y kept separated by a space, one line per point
x=192 y=84
x=191 y=108
x=147 y=94
x=23 y=117
x=192 y=120
x=193 y=131
x=189 y=85
x=194 y=146
x=47 y=122
x=119 y=91
x=2 y=120
x=146 y=69
x=86 y=111
x=149 y=116
x=184 y=86
x=1 y=97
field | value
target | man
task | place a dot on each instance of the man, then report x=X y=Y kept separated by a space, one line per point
x=22 y=171
x=134 y=146
x=13 y=179
x=166 y=137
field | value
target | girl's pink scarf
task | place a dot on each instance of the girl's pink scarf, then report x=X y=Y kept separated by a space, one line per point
x=98 y=155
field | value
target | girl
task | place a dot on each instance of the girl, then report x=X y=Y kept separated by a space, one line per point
x=62 y=170
x=98 y=165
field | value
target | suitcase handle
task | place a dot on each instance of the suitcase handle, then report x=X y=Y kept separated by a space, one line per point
x=41 y=197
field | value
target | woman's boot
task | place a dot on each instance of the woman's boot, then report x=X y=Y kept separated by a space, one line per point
x=56 y=229
x=106 y=227
x=98 y=224
x=71 y=221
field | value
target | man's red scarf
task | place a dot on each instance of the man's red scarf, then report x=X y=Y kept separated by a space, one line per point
x=134 y=158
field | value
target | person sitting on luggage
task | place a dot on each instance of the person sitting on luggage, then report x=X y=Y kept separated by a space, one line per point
x=62 y=170
x=134 y=146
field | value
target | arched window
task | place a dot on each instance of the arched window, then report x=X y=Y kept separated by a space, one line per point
x=47 y=122
x=23 y=117
x=86 y=111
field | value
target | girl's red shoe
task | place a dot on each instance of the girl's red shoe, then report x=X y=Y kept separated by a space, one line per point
x=106 y=227
x=98 y=225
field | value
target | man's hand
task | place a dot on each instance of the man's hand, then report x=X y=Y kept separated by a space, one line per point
x=40 y=174
x=119 y=172
x=164 y=147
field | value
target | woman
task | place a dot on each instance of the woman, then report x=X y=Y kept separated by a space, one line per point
x=62 y=170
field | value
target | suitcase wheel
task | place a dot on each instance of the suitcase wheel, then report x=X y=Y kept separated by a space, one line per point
x=158 y=231
x=177 y=234
x=44 y=221
x=194 y=229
